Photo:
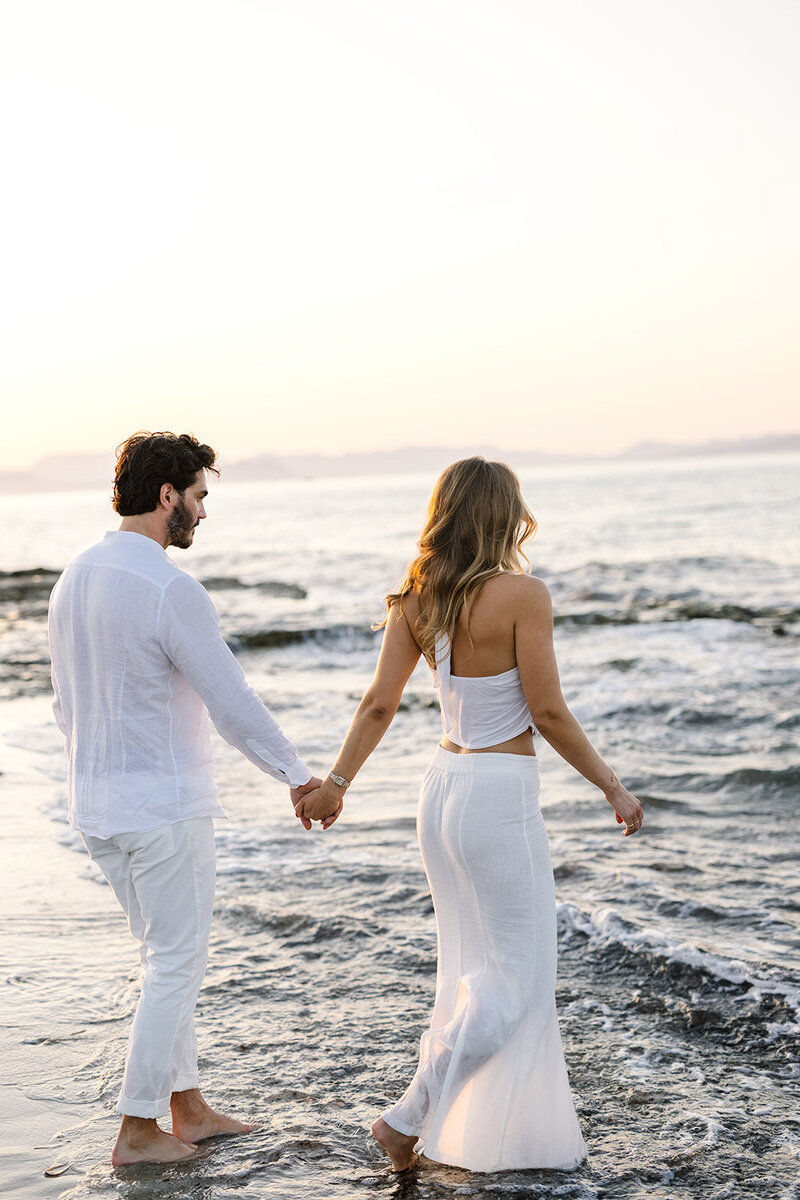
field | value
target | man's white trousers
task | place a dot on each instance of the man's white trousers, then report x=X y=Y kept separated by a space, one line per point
x=164 y=879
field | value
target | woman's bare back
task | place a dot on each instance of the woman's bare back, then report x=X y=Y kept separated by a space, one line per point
x=489 y=621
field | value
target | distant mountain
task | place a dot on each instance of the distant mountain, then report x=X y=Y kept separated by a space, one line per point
x=381 y=462
x=72 y=472
x=770 y=444
x=62 y=473
x=263 y=466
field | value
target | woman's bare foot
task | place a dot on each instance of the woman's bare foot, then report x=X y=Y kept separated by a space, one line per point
x=398 y=1146
x=140 y=1140
x=195 y=1121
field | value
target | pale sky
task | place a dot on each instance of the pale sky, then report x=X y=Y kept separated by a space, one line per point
x=354 y=225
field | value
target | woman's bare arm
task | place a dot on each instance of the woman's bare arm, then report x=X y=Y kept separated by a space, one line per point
x=398 y=657
x=538 y=670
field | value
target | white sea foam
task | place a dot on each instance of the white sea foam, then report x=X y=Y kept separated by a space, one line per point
x=711 y=1127
x=606 y=927
x=606 y=1020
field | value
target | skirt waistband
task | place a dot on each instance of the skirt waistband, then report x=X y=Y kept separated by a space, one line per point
x=490 y=763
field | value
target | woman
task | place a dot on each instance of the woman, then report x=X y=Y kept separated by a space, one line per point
x=491 y=1090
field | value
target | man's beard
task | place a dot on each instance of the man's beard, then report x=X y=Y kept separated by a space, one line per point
x=181 y=526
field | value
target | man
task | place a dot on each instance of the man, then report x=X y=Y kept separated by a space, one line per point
x=138 y=665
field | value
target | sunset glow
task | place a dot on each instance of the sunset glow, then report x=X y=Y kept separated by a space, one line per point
x=356 y=226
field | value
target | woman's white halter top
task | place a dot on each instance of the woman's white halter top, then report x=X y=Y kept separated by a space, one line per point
x=481 y=711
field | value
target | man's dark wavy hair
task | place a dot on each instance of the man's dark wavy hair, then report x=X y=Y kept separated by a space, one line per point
x=146 y=461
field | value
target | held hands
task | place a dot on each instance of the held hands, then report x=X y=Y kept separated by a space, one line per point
x=319 y=800
x=627 y=808
x=296 y=794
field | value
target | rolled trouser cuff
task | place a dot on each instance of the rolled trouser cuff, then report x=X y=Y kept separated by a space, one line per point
x=143 y=1108
x=185 y=1083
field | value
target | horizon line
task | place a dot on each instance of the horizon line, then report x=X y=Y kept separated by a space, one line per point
x=673 y=447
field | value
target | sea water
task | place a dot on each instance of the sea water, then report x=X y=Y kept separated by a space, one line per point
x=677 y=622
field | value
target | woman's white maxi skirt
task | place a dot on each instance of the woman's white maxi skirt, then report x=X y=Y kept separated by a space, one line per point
x=491 y=1092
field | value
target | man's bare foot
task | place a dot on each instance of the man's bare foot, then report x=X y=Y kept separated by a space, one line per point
x=398 y=1146
x=140 y=1140
x=195 y=1121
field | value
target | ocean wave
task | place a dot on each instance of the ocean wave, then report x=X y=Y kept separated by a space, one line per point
x=713 y=913
x=669 y=802
x=605 y=928
x=778 y=619
x=677 y=567
x=36 y=583
x=298 y=929
x=768 y=782
x=585 y=607
x=754 y=782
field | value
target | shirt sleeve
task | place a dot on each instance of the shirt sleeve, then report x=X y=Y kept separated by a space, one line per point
x=191 y=638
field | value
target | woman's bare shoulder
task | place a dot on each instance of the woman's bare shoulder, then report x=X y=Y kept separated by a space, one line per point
x=511 y=599
x=512 y=589
x=406 y=611
x=409 y=605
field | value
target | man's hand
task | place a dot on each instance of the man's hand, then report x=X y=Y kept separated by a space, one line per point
x=296 y=795
x=324 y=804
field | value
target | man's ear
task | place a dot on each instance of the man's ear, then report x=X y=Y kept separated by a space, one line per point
x=166 y=494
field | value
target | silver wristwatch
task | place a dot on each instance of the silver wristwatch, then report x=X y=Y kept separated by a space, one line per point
x=339 y=780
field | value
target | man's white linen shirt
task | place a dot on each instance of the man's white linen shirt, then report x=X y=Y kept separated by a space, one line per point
x=139 y=663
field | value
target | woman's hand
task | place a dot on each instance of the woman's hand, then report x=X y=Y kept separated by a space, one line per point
x=323 y=805
x=296 y=793
x=626 y=806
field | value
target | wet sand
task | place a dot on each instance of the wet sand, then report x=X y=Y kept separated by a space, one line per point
x=38 y=1048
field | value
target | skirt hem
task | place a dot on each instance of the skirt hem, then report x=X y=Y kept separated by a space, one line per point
x=435 y=1155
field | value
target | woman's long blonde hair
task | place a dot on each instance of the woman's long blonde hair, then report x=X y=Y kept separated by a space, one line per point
x=476 y=525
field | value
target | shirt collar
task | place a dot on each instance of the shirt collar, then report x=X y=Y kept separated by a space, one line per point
x=141 y=540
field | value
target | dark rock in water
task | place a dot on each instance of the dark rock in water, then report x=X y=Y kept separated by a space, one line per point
x=29 y=573
x=271 y=639
x=268 y=587
x=32 y=584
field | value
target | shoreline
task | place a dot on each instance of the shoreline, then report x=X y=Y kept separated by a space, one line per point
x=36 y=1051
